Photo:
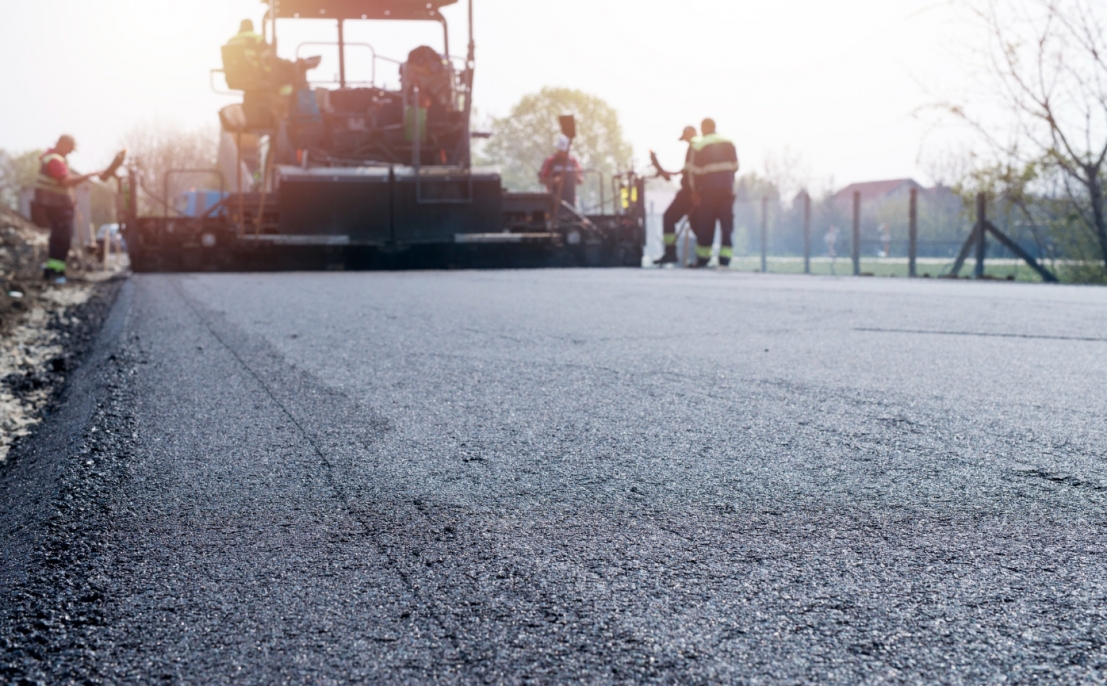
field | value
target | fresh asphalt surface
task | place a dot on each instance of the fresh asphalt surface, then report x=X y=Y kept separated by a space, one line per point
x=553 y=476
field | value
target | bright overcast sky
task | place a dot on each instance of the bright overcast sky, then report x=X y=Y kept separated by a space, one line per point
x=835 y=81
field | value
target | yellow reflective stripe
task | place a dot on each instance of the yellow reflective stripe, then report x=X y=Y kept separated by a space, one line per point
x=716 y=167
x=704 y=141
x=252 y=44
x=49 y=185
x=670 y=239
x=56 y=265
x=726 y=252
x=46 y=182
x=703 y=252
x=245 y=38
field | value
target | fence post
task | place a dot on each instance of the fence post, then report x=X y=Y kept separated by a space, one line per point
x=806 y=233
x=913 y=234
x=857 y=233
x=981 y=222
x=764 y=233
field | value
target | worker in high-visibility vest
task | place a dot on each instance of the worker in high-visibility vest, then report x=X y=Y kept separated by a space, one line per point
x=714 y=164
x=54 y=197
x=252 y=69
x=252 y=66
x=250 y=38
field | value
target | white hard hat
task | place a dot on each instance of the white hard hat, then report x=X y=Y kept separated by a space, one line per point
x=562 y=143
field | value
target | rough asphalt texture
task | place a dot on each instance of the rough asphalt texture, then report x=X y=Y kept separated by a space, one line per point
x=551 y=476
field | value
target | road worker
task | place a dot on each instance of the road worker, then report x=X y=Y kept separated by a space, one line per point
x=714 y=165
x=247 y=60
x=267 y=81
x=251 y=39
x=562 y=169
x=55 y=201
x=681 y=206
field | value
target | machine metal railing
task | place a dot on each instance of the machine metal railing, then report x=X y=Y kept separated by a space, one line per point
x=342 y=81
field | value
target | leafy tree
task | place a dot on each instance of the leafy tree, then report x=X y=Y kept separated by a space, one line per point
x=523 y=139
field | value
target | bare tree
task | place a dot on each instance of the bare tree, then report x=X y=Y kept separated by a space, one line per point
x=1045 y=60
x=787 y=171
x=158 y=149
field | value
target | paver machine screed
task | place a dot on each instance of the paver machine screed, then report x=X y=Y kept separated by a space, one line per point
x=359 y=175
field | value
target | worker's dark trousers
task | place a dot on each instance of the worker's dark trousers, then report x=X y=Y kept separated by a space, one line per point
x=61 y=232
x=678 y=209
x=715 y=206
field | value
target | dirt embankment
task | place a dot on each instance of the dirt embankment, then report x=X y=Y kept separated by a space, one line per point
x=42 y=325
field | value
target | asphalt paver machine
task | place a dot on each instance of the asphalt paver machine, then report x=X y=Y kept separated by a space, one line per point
x=356 y=175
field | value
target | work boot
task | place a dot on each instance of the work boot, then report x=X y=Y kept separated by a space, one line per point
x=670 y=256
x=54 y=271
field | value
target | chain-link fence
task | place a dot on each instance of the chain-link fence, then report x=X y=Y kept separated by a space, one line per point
x=825 y=236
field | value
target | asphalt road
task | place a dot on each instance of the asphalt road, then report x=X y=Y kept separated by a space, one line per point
x=552 y=476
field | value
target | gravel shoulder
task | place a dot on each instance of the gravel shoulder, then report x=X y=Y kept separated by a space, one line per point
x=44 y=327
x=55 y=363
x=43 y=341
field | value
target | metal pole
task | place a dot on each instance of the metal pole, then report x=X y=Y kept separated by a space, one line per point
x=981 y=246
x=687 y=245
x=239 y=221
x=341 y=54
x=806 y=233
x=764 y=233
x=913 y=233
x=273 y=26
x=270 y=153
x=857 y=233
x=471 y=69
x=1011 y=245
x=417 y=139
